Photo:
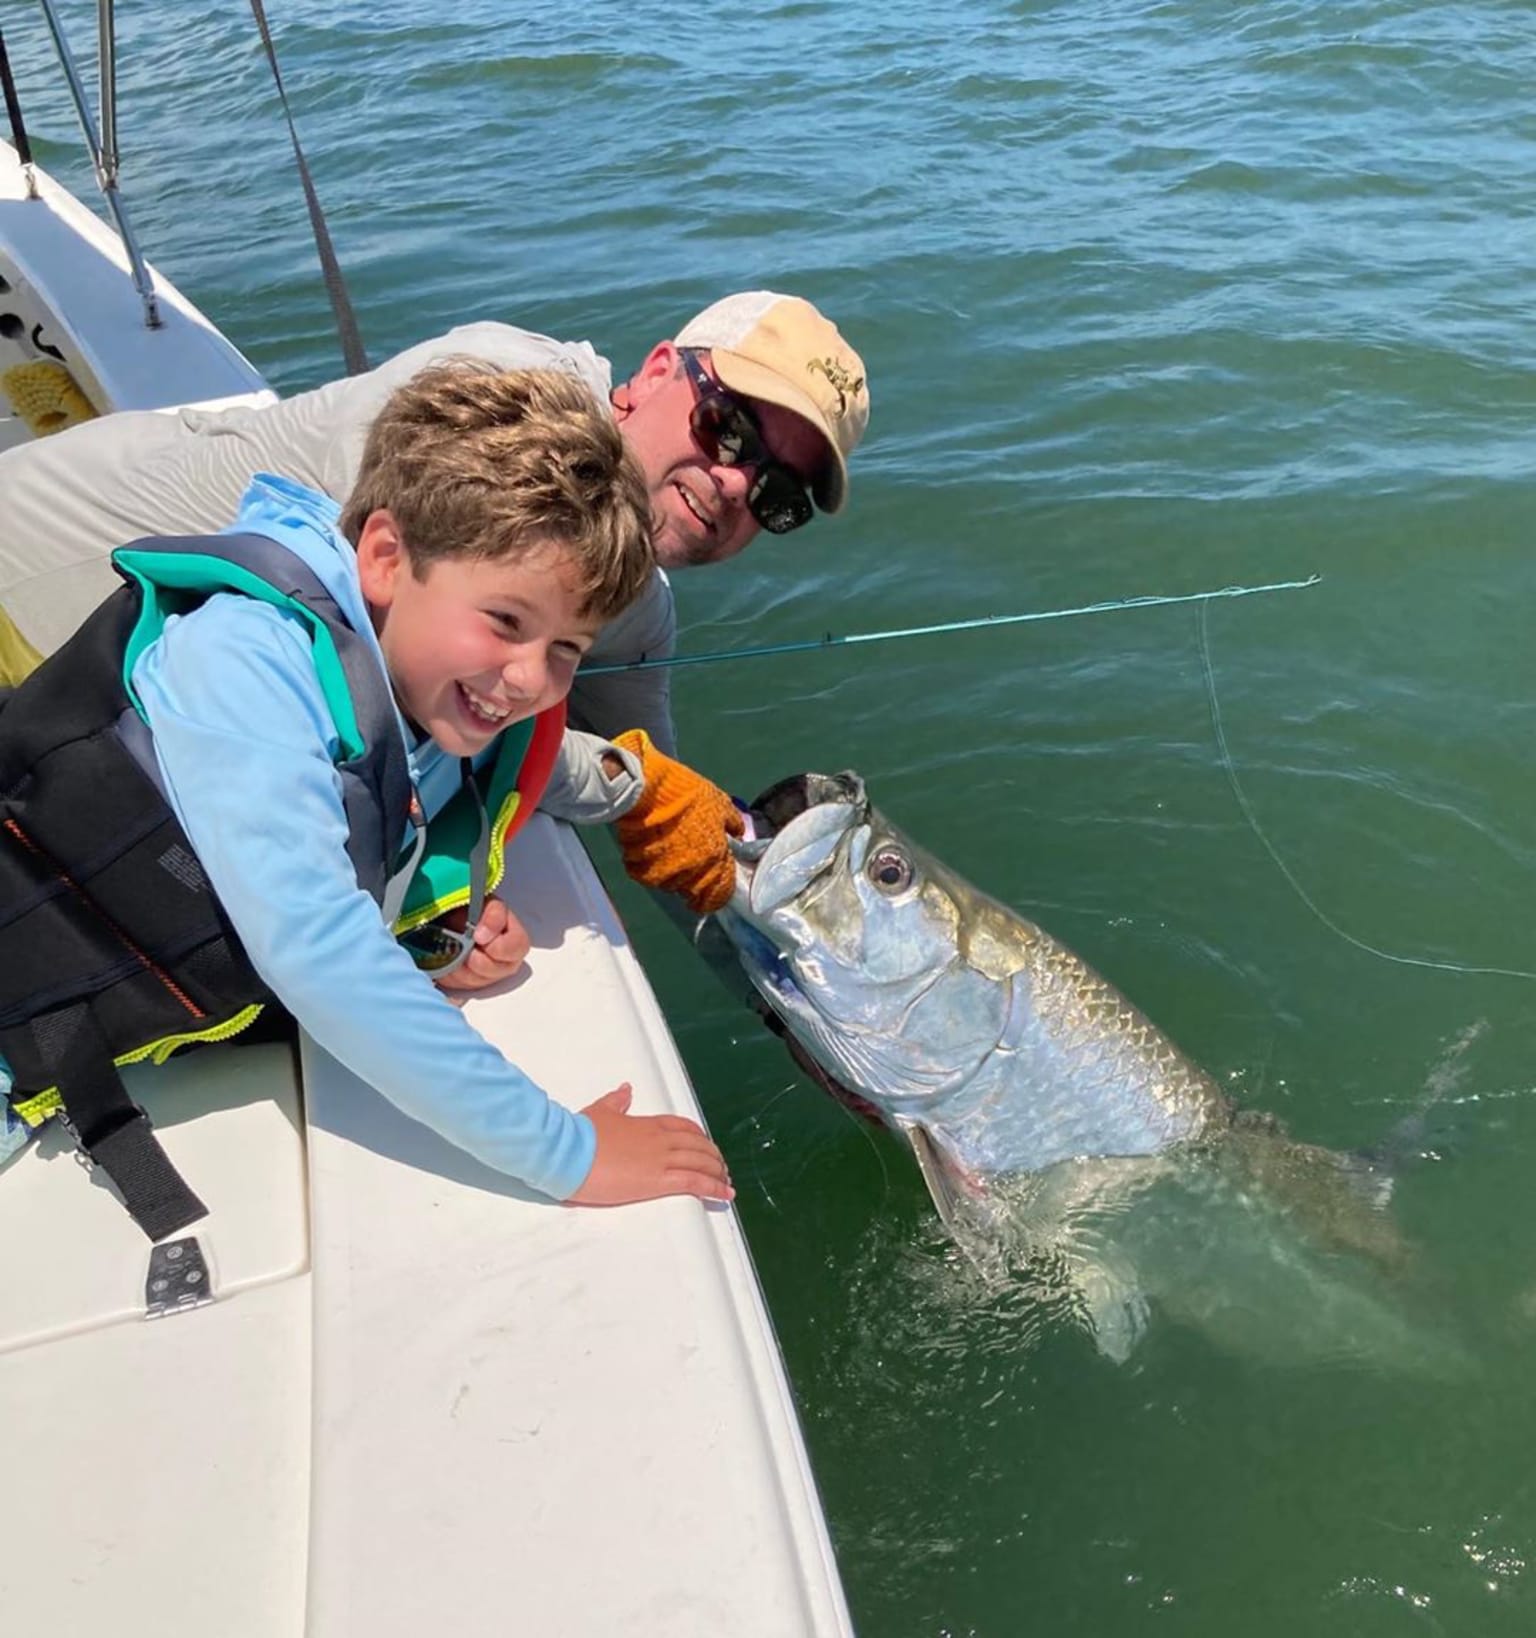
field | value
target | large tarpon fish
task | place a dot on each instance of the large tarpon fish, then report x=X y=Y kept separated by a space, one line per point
x=1048 y=1116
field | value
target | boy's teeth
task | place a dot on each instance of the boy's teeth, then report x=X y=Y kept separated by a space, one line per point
x=481 y=709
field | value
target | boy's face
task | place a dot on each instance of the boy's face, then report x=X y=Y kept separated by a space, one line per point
x=472 y=645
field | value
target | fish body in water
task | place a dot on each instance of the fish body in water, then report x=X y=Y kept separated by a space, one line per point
x=1048 y=1115
x=950 y=1013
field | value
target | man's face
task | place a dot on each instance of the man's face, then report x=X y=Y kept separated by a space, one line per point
x=473 y=645
x=701 y=506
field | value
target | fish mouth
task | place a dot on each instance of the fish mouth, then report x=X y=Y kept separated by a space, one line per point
x=798 y=825
x=784 y=802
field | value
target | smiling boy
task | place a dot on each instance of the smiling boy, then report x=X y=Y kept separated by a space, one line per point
x=262 y=727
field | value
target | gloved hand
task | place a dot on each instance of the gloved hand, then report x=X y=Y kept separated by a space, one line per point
x=674 y=837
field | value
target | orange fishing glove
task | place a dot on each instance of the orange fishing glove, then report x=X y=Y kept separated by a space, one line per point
x=674 y=838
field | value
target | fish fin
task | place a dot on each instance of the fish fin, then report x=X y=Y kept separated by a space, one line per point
x=963 y=1207
x=956 y=1204
x=1114 y=1305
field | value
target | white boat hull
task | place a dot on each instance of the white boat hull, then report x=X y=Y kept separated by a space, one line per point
x=66 y=296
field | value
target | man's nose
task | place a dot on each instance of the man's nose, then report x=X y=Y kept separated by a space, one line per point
x=733 y=482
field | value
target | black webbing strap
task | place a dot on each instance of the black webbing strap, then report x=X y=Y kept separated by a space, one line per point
x=13 y=108
x=335 y=285
x=109 y=1126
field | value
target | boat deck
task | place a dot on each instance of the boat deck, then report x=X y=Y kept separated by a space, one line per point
x=451 y=1405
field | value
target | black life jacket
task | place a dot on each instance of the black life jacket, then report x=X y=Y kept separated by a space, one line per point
x=113 y=946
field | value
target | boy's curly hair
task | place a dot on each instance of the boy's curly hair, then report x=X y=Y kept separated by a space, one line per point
x=476 y=462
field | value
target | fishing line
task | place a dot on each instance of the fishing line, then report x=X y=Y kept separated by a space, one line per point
x=834 y=641
x=1245 y=806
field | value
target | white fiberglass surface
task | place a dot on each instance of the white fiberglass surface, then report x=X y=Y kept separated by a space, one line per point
x=74 y=304
x=584 y=1412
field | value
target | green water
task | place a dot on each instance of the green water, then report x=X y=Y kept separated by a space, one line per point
x=1154 y=297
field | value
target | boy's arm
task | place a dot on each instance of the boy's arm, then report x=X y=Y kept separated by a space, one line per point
x=241 y=734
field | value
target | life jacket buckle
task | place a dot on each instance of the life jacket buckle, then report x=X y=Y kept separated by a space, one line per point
x=82 y=1154
x=178 y=1278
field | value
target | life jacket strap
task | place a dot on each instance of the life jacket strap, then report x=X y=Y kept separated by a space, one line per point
x=115 y=1135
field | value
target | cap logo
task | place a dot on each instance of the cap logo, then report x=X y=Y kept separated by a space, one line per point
x=842 y=380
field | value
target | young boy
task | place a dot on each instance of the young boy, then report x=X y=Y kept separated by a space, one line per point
x=204 y=794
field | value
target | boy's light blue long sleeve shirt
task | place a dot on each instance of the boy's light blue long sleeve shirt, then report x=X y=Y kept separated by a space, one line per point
x=247 y=749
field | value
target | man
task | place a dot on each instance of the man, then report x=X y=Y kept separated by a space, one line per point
x=743 y=420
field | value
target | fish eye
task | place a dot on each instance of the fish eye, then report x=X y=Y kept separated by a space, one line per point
x=889 y=869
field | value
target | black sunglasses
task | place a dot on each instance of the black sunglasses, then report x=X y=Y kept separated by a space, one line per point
x=727 y=431
x=436 y=949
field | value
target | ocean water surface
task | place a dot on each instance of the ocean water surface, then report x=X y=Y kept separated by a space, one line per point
x=1155 y=296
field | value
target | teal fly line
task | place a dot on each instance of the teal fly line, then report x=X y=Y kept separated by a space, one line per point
x=834 y=641
x=1246 y=808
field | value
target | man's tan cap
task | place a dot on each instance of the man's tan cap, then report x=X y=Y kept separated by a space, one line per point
x=781 y=350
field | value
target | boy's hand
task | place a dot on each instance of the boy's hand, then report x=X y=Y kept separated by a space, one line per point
x=501 y=946
x=642 y=1157
x=674 y=837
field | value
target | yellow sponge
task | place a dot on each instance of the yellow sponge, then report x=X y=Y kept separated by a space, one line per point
x=46 y=396
x=17 y=655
